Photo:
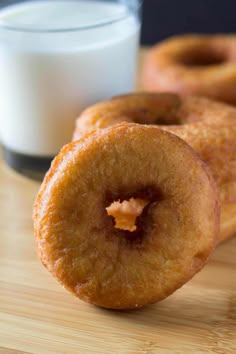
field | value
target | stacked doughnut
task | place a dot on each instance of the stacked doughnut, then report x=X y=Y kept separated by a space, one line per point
x=130 y=211
x=208 y=126
x=203 y=65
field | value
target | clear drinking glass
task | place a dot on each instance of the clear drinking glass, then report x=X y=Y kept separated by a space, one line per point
x=56 y=58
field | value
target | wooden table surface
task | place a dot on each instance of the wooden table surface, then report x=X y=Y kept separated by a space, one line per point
x=38 y=316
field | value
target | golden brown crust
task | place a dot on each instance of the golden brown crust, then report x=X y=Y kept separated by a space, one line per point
x=118 y=269
x=208 y=126
x=202 y=65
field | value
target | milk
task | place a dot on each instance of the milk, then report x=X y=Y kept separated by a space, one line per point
x=51 y=68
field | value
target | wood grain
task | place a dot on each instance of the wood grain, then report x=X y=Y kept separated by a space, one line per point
x=38 y=316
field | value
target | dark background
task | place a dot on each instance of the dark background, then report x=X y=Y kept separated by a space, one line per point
x=162 y=18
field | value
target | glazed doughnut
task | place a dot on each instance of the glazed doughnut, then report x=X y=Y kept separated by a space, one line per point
x=202 y=65
x=208 y=126
x=109 y=266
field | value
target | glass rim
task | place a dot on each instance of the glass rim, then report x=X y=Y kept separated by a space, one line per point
x=30 y=29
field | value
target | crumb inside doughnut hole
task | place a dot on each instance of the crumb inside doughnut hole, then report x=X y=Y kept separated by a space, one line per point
x=126 y=213
x=199 y=57
x=131 y=212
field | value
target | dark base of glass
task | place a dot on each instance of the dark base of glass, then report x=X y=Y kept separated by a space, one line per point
x=31 y=166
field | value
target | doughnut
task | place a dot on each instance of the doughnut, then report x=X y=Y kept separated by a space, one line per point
x=202 y=65
x=208 y=126
x=97 y=259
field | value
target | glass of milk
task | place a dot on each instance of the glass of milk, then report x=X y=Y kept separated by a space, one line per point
x=56 y=58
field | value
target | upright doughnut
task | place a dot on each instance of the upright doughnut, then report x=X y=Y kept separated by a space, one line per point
x=202 y=65
x=208 y=126
x=108 y=266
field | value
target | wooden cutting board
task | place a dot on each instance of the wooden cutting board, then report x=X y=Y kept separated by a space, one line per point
x=38 y=316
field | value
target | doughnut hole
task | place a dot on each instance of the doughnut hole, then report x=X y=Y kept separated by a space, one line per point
x=200 y=57
x=151 y=109
x=169 y=120
x=153 y=116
